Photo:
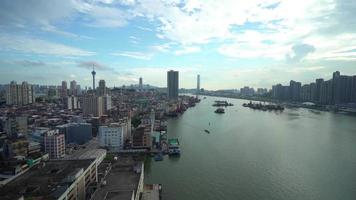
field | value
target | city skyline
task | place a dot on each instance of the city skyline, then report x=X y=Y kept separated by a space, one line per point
x=255 y=43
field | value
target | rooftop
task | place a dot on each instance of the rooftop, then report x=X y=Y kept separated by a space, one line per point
x=46 y=180
x=121 y=181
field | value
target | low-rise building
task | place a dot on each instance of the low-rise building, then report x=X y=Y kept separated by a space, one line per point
x=77 y=133
x=62 y=180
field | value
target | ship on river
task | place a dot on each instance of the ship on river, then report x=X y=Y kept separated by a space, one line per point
x=222 y=103
x=264 y=107
x=173 y=147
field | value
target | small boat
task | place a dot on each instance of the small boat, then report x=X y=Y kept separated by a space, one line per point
x=158 y=157
x=207 y=131
x=220 y=110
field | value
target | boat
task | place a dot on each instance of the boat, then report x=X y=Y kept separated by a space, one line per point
x=158 y=157
x=220 y=111
x=173 y=147
x=222 y=103
x=207 y=131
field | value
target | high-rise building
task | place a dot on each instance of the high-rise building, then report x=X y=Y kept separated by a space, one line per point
x=73 y=88
x=326 y=92
x=64 y=89
x=172 y=84
x=112 y=137
x=72 y=103
x=93 y=73
x=140 y=86
x=79 y=90
x=106 y=103
x=12 y=94
x=93 y=105
x=318 y=82
x=102 y=88
x=198 y=83
x=19 y=94
x=247 y=91
x=353 y=89
x=294 y=90
x=54 y=144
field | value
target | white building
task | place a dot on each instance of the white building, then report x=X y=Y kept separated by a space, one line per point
x=112 y=136
x=106 y=103
x=72 y=103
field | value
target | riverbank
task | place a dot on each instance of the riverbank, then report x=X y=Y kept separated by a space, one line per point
x=318 y=107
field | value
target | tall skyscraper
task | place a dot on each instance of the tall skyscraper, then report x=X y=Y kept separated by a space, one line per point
x=64 y=88
x=19 y=94
x=198 y=83
x=140 y=84
x=102 y=88
x=172 y=84
x=73 y=88
x=93 y=73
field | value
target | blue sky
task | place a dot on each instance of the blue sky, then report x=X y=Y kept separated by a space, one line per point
x=230 y=43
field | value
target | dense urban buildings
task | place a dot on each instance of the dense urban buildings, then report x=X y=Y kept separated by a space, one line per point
x=19 y=94
x=172 y=84
x=340 y=89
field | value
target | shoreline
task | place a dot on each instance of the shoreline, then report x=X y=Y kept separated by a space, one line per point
x=317 y=107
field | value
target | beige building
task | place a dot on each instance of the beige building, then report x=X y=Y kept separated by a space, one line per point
x=19 y=94
x=93 y=105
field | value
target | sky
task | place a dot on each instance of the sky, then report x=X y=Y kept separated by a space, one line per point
x=230 y=43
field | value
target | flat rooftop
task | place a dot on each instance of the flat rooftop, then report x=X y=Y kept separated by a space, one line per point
x=121 y=181
x=46 y=180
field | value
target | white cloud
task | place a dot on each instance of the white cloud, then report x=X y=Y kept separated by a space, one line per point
x=187 y=50
x=38 y=46
x=134 y=54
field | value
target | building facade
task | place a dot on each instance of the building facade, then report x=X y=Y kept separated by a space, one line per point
x=19 y=94
x=72 y=103
x=54 y=144
x=102 y=88
x=172 y=84
x=93 y=105
x=76 y=133
x=112 y=136
x=64 y=89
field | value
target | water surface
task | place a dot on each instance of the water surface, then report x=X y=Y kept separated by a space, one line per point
x=250 y=154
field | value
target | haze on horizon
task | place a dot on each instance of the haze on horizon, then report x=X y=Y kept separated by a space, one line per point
x=229 y=43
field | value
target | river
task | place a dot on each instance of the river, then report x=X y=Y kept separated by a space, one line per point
x=255 y=155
